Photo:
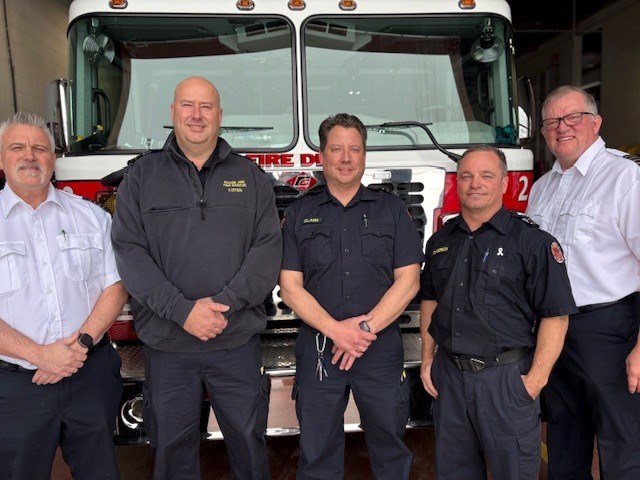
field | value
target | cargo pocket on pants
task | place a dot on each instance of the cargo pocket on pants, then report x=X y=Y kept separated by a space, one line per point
x=404 y=392
x=529 y=454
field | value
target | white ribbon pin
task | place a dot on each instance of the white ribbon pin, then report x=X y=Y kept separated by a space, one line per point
x=500 y=252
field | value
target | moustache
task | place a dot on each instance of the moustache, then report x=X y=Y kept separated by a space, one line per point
x=29 y=166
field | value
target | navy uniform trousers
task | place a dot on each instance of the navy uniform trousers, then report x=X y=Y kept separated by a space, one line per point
x=78 y=413
x=381 y=395
x=485 y=417
x=238 y=392
x=587 y=396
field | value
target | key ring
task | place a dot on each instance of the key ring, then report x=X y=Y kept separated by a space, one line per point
x=321 y=370
x=324 y=343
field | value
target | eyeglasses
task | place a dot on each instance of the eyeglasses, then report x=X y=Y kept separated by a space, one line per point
x=569 y=120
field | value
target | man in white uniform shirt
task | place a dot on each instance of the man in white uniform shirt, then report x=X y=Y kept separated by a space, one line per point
x=590 y=201
x=60 y=291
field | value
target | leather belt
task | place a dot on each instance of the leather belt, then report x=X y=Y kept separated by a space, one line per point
x=598 y=306
x=469 y=363
x=12 y=367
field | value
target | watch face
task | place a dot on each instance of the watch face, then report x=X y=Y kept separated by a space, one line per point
x=85 y=340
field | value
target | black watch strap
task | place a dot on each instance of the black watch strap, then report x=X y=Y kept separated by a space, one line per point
x=85 y=340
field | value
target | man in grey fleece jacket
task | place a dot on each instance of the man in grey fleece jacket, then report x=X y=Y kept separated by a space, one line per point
x=198 y=246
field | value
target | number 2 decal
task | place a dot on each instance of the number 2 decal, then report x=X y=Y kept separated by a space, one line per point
x=523 y=196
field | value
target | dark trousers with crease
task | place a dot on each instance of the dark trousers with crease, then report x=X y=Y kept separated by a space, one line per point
x=78 y=413
x=380 y=393
x=485 y=418
x=238 y=393
x=587 y=397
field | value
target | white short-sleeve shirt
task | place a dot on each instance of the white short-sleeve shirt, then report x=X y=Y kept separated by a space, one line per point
x=593 y=209
x=55 y=262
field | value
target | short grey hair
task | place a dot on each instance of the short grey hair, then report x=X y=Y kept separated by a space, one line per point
x=483 y=147
x=590 y=102
x=29 y=119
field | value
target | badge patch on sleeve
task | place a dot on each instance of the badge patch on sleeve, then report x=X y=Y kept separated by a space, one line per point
x=556 y=251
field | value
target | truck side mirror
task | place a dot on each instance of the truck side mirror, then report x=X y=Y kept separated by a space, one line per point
x=57 y=112
x=526 y=111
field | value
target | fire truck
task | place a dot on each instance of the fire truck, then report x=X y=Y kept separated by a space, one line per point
x=427 y=78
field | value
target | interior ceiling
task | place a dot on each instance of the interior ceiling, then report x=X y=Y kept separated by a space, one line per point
x=536 y=21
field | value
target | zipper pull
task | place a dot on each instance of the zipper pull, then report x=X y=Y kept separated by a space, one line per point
x=365 y=221
x=202 y=205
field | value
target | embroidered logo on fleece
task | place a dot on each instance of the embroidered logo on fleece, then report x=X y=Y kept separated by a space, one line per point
x=234 y=186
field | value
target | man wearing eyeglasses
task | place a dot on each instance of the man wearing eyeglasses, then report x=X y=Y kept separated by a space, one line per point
x=590 y=201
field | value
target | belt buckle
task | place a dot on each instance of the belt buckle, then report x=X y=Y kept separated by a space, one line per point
x=457 y=362
x=476 y=364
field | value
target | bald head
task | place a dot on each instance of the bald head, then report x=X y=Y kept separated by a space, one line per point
x=196 y=116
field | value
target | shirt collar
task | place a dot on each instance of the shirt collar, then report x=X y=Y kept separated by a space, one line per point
x=584 y=161
x=9 y=199
x=363 y=194
x=501 y=222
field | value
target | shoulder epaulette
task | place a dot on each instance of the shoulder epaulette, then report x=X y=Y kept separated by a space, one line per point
x=634 y=158
x=525 y=219
x=316 y=189
x=381 y=187
x=73 y=195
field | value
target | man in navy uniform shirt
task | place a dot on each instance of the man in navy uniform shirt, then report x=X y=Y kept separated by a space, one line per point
x=350 y=267
x=495 y=300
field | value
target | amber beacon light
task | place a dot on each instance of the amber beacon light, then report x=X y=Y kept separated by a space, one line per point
x=119 y=4
x=347 y=5
x=245 y=4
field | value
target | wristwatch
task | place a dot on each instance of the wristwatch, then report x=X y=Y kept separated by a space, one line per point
x=364 y=326
x=86 y=340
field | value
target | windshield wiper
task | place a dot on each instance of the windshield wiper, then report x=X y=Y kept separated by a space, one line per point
x=411 y=123
x=233 y=129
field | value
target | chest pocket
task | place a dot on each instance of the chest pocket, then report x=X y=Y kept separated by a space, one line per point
x=315 y=245
x=575 y=223
x=376 y=241
x=439 y=270
x=494 y=274
x=82 y=255
x=14 y=272
x=579 y=219
x=536 y=213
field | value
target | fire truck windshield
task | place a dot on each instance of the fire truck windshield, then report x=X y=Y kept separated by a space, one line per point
x=455 y=73
x=124 y=71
